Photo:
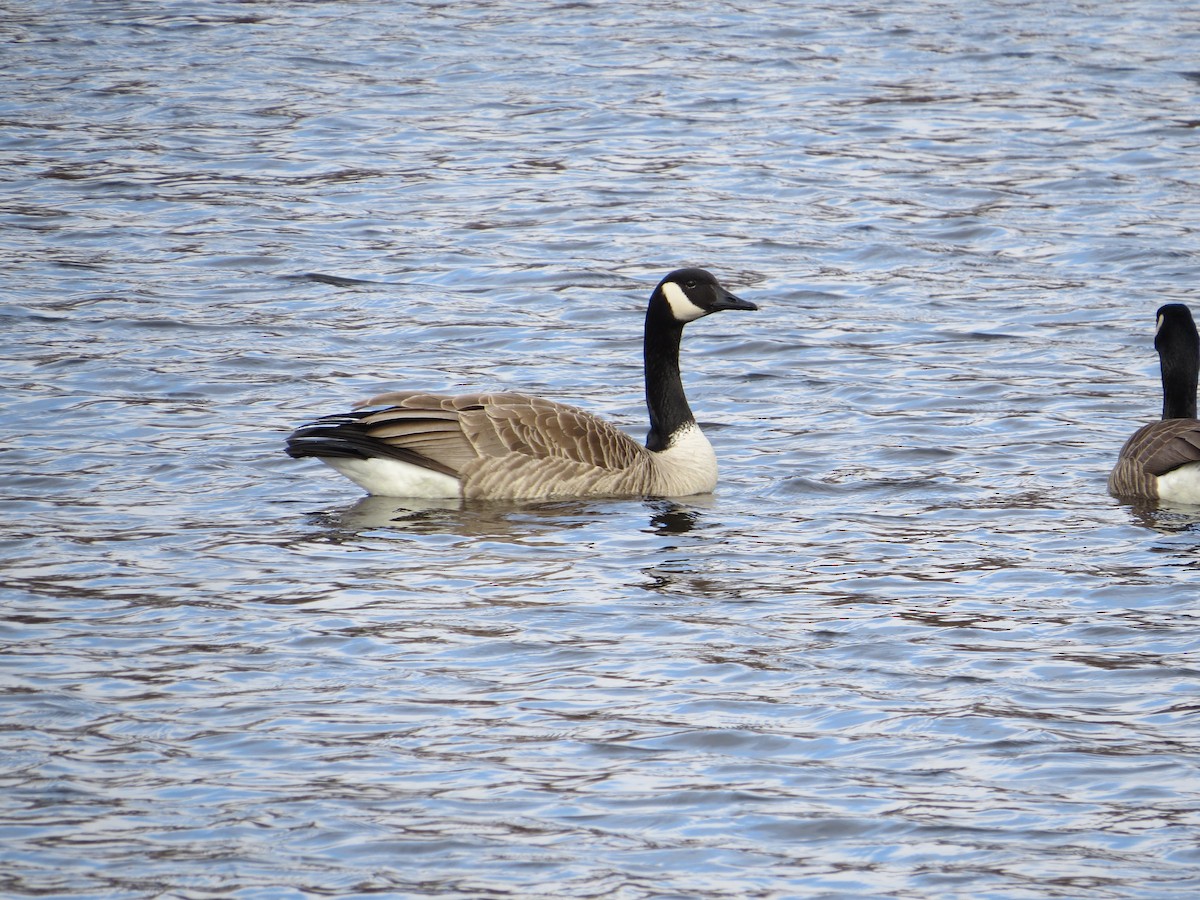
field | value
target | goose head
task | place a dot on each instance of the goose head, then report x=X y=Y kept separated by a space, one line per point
x=1178 y=347
x=689 y=294
x=1175 y=331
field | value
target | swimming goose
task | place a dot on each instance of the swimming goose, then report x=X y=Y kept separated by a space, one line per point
x=503 y=446
x=1161 y=461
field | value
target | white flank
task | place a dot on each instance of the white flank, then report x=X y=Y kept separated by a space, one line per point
x=682 y=308
x=393 y=478
x=1181 y=485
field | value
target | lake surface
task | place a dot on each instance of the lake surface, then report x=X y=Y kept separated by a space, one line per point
x=909 y=649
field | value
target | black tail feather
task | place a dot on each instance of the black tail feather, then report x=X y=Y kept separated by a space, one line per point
x=340 y=436
x=344 y=436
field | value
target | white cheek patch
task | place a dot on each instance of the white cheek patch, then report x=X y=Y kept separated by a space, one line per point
x=1158 y=325
x=682 y=308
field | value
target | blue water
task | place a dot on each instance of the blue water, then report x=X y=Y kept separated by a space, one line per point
x=909 y=649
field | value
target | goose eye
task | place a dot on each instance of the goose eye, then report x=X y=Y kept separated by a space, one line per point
x=689 y=285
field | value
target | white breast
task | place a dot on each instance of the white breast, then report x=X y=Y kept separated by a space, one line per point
x=687 y=466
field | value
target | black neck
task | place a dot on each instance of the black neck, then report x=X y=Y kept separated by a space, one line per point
x=669 y=411
x=1180 y=367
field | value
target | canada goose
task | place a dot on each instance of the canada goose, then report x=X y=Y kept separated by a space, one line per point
x=501 y=446
x=1161 y=461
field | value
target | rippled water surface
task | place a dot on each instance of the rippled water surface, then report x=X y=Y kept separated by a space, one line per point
x=910 y=648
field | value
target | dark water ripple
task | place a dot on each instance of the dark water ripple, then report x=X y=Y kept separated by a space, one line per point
x=910 y=648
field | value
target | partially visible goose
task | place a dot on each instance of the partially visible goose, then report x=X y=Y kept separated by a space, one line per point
x=1161 y=461
x=513 y=446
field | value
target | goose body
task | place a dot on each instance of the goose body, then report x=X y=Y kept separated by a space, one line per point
x=515 y=446
x=1161 y=460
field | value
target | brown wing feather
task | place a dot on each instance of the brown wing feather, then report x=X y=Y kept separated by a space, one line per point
x=1154 y=450
x=501 y=424
x=493 y=438
x=427 y=425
